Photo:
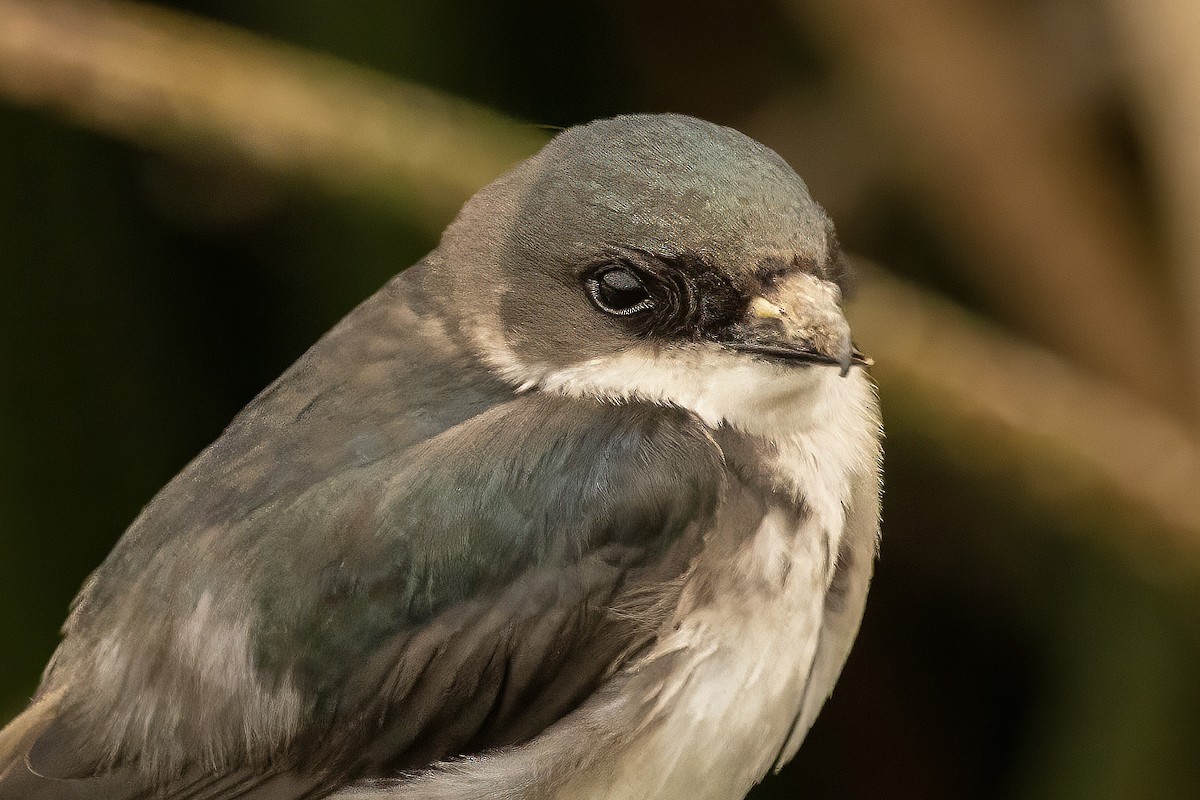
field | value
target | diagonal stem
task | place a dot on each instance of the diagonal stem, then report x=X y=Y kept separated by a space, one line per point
x=168 y=81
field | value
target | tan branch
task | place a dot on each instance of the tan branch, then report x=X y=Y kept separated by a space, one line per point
x=1008 y=412
x=1052 y=240
x=169 y=81
x=1160 y=39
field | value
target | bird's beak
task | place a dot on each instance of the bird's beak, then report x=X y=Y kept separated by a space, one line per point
x=798 y=320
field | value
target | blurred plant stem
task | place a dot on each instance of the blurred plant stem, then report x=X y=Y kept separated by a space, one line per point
x=1062 y=257
x=194 y=88
x=184 y=85
x=1000 y=408
x=1160 y=48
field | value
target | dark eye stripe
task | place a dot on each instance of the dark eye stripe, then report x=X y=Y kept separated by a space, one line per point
x=662 y=295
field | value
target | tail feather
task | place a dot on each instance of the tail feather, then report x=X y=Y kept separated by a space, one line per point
x=19 y=735
x=18 y=781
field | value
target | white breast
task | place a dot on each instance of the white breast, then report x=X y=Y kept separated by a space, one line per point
x=743 y=654
x=738 y=679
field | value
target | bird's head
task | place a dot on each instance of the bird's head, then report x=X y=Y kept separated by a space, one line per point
x=657 y=257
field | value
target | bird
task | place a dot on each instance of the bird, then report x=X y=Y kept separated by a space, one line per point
x=584 y=504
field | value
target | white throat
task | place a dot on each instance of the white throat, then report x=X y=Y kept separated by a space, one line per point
x=822 y=426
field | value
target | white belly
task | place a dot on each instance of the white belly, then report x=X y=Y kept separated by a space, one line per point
x=738 y=683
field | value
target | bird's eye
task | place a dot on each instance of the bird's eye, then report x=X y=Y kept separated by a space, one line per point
x=619 y=291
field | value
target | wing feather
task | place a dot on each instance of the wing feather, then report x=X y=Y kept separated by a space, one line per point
x=424 y=604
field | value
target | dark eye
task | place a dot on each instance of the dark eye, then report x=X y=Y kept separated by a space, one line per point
x=619 y=291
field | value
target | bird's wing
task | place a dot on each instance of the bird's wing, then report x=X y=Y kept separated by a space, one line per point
x=444 y=600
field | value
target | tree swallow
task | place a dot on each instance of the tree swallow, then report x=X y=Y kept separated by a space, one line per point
x=583 y=505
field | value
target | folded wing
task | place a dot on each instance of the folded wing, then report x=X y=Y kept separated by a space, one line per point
x=446 y=598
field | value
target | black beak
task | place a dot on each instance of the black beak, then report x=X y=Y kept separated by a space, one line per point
x=798 y=320
x=847 y=358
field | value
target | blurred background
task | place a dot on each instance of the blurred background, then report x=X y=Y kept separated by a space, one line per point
x=192 y=192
